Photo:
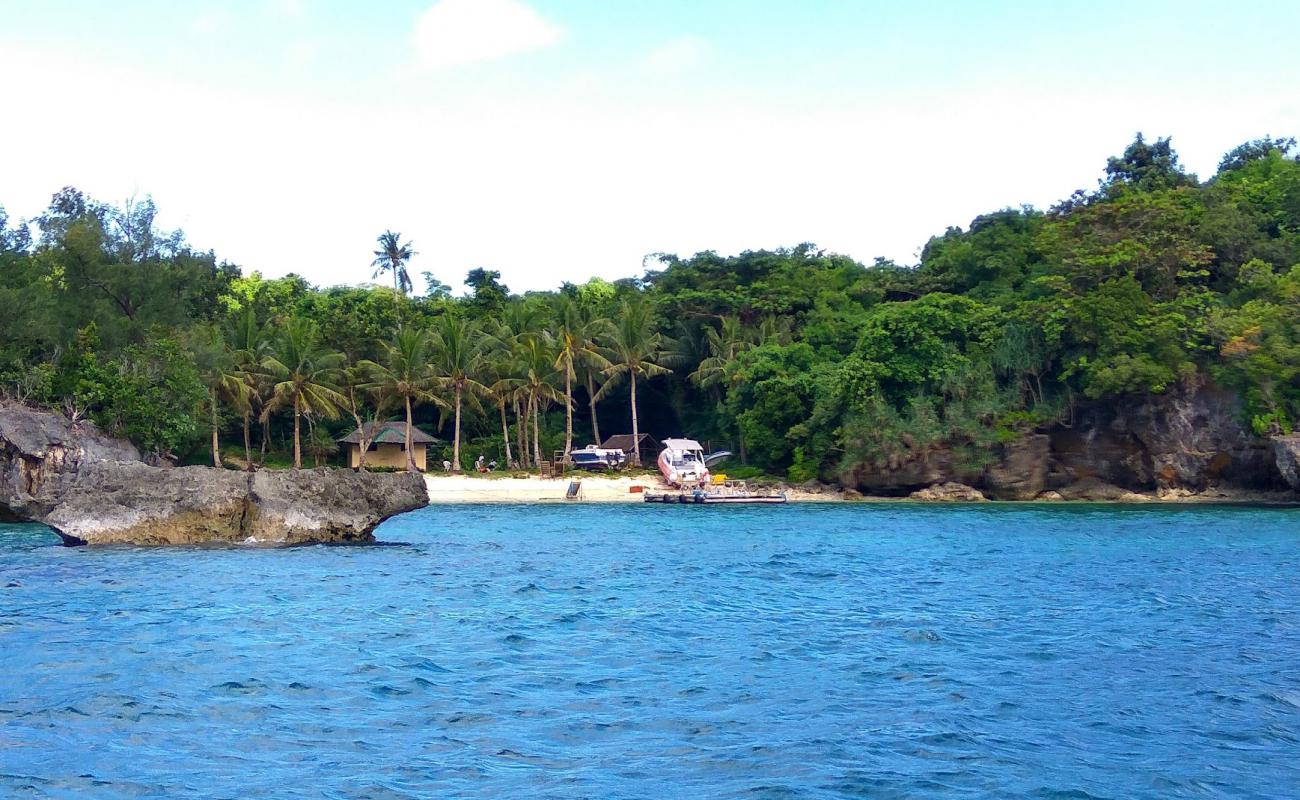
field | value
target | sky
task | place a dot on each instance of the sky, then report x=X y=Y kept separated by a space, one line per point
x=559 y=140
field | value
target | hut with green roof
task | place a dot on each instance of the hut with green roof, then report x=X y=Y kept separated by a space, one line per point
x=387 y=445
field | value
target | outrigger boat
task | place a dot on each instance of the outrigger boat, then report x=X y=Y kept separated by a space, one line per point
x=686 y=469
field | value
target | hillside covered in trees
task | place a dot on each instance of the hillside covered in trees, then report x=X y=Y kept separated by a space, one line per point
x=809 y=365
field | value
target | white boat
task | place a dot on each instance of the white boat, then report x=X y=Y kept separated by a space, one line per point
x=683 y=463
x=593 y=457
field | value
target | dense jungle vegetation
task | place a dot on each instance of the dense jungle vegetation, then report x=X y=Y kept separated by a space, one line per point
x=804 y=362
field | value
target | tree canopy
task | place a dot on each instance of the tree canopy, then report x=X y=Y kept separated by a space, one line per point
x=806 y=362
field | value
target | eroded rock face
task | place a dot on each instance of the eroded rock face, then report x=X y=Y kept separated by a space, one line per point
x=1186 y=439
x=949 y=493
x=92 y=489
x=1286 y=454
x=1097 y=490
x=903 y=475
x=1021 y=473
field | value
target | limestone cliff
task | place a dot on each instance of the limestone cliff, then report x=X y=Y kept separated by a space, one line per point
x=1185 y=442
x=92 y=489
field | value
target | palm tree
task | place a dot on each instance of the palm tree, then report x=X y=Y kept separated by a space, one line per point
x=724 y=346
x=536 y=354
x=593 y=396
x=635 y=349
x=500 y=364
x=577 y=335
x=224 y=378
x=458 y=359
x=406 y=374
x=519 y=321
x=392 y=256
x=305 y=373
x=247 y=341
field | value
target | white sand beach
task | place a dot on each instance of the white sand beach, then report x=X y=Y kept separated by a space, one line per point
x=533 y=489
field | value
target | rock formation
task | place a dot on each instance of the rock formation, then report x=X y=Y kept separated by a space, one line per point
x=949 y=493
x=1021 y=472
x=1286 y=452
x=92 y=489
x=1186 y=443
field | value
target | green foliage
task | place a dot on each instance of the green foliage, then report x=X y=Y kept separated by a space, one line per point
x=807 y=363
x=152 y=393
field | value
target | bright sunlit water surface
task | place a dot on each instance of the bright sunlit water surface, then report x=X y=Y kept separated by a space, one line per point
x=589 y=651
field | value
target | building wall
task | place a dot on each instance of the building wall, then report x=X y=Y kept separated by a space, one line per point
x=386 y=455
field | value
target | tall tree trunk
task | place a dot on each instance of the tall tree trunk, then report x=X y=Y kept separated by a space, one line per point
x=505 y=434
x=568 y=410
x=455 y=447
x=311 y=434
x=248 y=443
x=363 y=444
x=216 y=446
x=591 y=398
x=297 y=429
x=410 y=452
x=397 y=299
x=537 y=439
x=521 y=434
x=636 y=433
x=740 y=434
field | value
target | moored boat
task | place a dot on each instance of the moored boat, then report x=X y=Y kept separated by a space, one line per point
x=593 y=457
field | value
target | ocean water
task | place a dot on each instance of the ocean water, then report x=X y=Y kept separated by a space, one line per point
x=588 y=651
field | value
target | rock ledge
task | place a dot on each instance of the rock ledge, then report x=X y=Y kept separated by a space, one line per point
x=92 y=489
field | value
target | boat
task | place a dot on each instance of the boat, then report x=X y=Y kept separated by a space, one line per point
x=684 y=465
x=593 y=457
x=686 y=470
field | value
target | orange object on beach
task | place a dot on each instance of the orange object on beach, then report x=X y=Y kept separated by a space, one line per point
x=636 y=489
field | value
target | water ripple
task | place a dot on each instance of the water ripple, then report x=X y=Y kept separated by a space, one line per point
x=864 y=651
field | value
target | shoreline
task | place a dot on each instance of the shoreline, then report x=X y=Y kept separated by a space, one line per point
x=446 y=489
x=463 y=489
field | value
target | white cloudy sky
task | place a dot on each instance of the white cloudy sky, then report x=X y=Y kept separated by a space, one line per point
x=562 y=139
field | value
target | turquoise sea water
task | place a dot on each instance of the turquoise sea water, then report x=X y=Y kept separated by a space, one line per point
x=589 y=651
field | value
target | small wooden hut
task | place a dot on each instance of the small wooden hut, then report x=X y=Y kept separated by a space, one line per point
x=649 y=446
x=387 y=445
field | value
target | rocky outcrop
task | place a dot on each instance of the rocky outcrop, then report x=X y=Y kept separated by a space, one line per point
x=1021 y=472
x=904 y=474
x=949 y=493
x=1190 y=442
x=1188 y=439
x=1097 y=490
x=1286 y=454
x=92 y=489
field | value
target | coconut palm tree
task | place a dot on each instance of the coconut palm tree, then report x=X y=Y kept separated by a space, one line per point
x=305 y=375
x=636 y=348
x=724 y=345
x=519 y=321
x=458 y=360
x=225 y=380
x=406 y=375
x=393 y=256
x=499 y=365
x=591 y=373
x=536 y=358
x=247 y=341
x=577 y=337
